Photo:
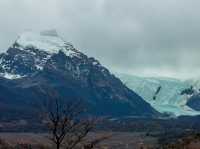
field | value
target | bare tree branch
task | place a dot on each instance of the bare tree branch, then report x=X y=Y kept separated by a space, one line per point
x=67 y=126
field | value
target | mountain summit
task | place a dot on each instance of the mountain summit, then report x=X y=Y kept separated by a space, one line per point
x=31 y=51
x=38 y=63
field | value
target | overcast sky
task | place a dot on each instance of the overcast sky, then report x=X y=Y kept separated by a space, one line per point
x=143 y=37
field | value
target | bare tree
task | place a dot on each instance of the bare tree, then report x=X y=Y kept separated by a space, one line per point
x=67 y=125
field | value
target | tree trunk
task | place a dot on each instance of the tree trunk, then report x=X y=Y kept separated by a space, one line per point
x=57 y=145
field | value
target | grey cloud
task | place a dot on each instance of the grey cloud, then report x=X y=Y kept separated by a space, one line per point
x=126 y=35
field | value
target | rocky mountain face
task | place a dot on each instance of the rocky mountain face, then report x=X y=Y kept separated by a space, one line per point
x=194 y=102
x=194 y=94
x=171 y=96
x=38 y=63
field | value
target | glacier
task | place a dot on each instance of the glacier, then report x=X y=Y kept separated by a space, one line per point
x=164 y=94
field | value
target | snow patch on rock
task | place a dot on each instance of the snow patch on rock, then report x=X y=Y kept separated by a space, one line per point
x=11 y=76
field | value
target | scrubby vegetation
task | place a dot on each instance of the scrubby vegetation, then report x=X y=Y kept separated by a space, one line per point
x=21 y=145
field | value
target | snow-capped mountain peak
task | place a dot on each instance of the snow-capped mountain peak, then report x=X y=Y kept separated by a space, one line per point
x=31 y=51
